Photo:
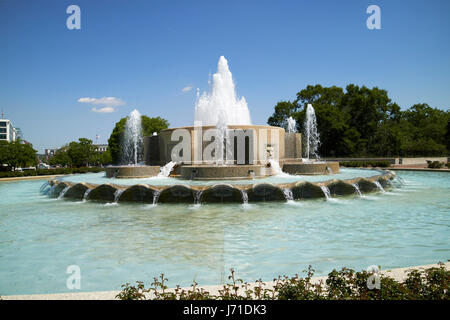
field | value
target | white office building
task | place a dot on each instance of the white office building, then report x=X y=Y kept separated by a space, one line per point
x=7 y=131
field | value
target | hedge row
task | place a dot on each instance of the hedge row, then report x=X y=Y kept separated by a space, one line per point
x=45 y=172
x=346 y=284
x=437 y=164
x=353 y=164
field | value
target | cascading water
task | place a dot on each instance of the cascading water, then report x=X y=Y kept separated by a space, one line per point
x=197 y=197
x=379 y=186
x=244 y=197
x=156 y=194
x=63 y=192
x=167 y=169
x=276 y=169
x=358 y=191
x=86 y=194
x=291 y=125
x=133 y=140
x=117 y=195
x=221 y=107
x=326 y=192
x=288 y=195
x=311 y=135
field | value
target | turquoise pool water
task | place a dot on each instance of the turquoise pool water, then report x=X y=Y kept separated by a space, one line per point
x=113 y=244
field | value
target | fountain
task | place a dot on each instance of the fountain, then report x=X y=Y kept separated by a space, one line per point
x=311 y=165
x=312 y=136
x=132 y=141
x=132 y=146
x=222 y=158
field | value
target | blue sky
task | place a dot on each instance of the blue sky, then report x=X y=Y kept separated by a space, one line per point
x=145 y=52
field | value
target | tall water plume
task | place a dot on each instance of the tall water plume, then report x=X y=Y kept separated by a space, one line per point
x=133 y=139
x=222 y=105
x=291 y=125
x=311 y=134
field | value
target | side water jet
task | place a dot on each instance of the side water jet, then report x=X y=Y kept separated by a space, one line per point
x=288 y=195
x=156 y=194
x=276 y=169
x=86 y=194
x=197 y=197
x=63 y=192
x=244 y=197
x=379 y=186
x=326 y=192
x=117 y=195
x=167 y=169
x=358 y=191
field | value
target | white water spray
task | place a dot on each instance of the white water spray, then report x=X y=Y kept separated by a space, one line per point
x=222 y=105
x=133 y=140
x=86 y=194
x=358 y=191
x=63 y=192
x=326 y=192
x=379 y=186
x=276 y=169
x=311 y=134
x=288 y=195
x=291 y=125
x=166 y=170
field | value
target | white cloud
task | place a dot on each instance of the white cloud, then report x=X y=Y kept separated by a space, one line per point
x=103 y=110
x=105 y=101
x=186 y=89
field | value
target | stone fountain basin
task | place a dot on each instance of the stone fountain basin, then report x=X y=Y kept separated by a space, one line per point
x=129 y=172
x=217 y=193
x=311 y=168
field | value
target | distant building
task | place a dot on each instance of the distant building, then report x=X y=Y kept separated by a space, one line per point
x=7 y=131
x=49 y=153
x=101 y=147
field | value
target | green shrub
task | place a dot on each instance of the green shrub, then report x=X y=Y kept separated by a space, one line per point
x=429 y=284
x=435 y=164
x=45 y=172
x=447 y=165
x=365 y=164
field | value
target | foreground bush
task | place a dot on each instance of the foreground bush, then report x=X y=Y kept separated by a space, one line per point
x=429 y=284
x=365 y=164
x=435 y=164
x=44 y=172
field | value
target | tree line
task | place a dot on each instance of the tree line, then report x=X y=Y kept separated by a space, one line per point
x=17 y=154
x=81 y=153
x=364 y=122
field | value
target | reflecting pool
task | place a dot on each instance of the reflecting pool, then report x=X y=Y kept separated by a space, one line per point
x=118 y=243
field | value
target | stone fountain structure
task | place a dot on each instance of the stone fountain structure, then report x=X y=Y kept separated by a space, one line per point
x=222 y=145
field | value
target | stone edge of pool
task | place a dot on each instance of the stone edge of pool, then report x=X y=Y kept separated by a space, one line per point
x=220 y=192
x=398 y=274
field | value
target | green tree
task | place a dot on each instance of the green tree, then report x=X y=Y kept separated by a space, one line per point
x=365 y=122
x=61 y=157
x=82 y=153
x=115 y=141
x=17 y=154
